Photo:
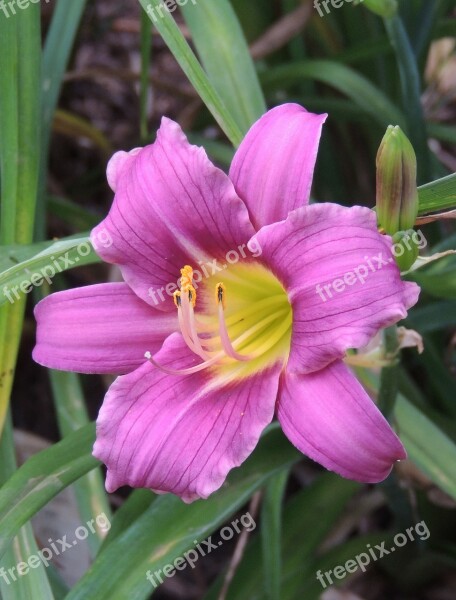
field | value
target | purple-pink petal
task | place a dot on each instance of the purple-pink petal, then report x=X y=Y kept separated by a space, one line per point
x=181 y=434
x=172 y=207
x=329 y=417
x=331 y=245
x=101 y=328
x=273 y=168
x=118 y=165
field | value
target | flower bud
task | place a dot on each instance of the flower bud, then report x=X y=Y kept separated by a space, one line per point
x=404 y=249
x=384 y=8
x=397 y=192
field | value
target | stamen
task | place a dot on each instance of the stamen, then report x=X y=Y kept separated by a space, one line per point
x=185 y=300
x=224 y=336
x=188 y=319
x=220 y=294
x=186 y=334
x=256 y=325
x=177 y=299
x=186 y=283
x=189 y=371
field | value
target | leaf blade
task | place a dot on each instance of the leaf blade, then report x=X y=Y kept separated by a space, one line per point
x=225 y=56
x=182 y=52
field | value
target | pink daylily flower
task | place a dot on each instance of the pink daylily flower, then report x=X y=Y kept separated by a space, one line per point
x=246 y=335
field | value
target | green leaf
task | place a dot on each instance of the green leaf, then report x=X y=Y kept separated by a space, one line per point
x=71 y=416
x=438 y=195
x=57 y=49
x=34 y=583
x=182 y=52
x=308 y=586
x=347 y=81
x=20 y=109
x=438 y=279
x=304 y=529
x=41 y=478
x=58 y=45
x=444 y=133
x=447 y=243
x=72 y=125
x=271 y=534
x=59 y=587
x=217 y=151
x=425 y=25
x=384 y=8
x=225 y=56
x=133 y=507
x=144 y=95
x=169 y=527
x=78 y=217
x=57 y=257
x=434 y=316
x=20 y=106
x=389 y=375
x=411 y=94
x=9 y=135
x=427 y=446
x=442 y=383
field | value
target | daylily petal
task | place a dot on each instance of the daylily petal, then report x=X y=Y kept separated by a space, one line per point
x=181 y=434
x=273 y=168
x=172 y=207
x=101 y=328
x=119 y=162
x=328 y=244
x=329 y=417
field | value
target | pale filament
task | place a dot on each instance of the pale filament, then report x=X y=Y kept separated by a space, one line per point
x=225 y=339
x=220 y=355
x=185 y=331
x=190 y=370
x=188 y=319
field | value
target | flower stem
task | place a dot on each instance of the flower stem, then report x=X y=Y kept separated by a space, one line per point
x=389 y=377
x=411 y=94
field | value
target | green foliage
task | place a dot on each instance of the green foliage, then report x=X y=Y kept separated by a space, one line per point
x=364 y=65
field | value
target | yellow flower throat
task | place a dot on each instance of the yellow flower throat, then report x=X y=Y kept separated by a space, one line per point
x=245 y=328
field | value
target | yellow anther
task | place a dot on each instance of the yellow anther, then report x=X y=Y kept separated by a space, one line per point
x=186 y=282
x=187 y=276
x=177 y=299
x=220 y=290
x=191 y=294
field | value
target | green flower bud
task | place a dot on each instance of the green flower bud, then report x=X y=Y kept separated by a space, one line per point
x=397 y=192
x=404 y=249
x=384 y=8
